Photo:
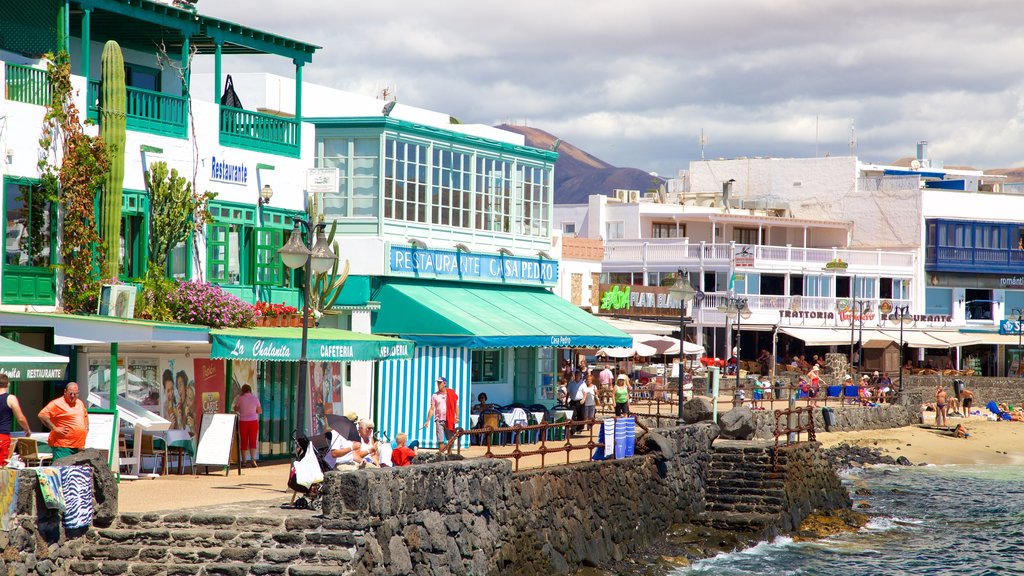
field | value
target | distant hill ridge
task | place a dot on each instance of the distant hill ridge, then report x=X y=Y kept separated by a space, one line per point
x=579 y=174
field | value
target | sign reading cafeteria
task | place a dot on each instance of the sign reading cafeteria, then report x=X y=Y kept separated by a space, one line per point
x=423 y=262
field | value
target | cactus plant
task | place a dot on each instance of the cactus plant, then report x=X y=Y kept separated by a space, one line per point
x=112 y=132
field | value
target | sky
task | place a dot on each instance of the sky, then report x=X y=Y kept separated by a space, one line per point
x=636 y=83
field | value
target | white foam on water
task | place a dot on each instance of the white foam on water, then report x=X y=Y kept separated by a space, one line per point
x=762 y=548
x=886 y=523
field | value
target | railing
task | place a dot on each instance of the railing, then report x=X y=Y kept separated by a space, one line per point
x=156 y=113
x=674 y=251
x=145 y=110
x=27 y=84
x=957 y=258
x=258 y=131
x=792 y=427
x=758 y=302
x=655 y=402
x=564 y=444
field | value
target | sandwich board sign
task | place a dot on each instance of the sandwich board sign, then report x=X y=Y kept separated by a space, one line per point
x=215 y=441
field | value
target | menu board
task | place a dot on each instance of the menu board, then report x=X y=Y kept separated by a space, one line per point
x=217 y=432
x=102 y=432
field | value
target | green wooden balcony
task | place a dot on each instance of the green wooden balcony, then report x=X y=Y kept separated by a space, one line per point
x=259 y=132
x=146 y=110
x=27 y=84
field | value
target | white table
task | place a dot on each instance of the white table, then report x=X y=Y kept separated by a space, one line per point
x=473 y=419
x=566 y=413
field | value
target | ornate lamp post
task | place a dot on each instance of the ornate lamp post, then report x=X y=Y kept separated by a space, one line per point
x=901 y=316
x=318 y=258
x=859 y=308
x=682 y=292
x=736 y=307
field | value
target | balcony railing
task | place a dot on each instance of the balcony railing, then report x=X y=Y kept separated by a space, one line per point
x=260 y=132
x=673 y=252
x=27 y=84
x=986 y=260
x=146 y=110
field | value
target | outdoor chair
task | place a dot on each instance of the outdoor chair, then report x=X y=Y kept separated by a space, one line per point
x=491 y=419
x=833 y=391
x=28 y=449
x=851 y=393
x=149 y=449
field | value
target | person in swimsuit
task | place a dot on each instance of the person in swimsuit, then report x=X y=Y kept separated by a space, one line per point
x=940 y=406
x=966 y=401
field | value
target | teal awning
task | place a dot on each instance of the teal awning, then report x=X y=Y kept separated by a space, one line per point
x=323 y=345
x=463 y=315
x=20 y=362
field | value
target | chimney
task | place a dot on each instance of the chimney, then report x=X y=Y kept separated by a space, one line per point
x=922 y=151
x=726 y=192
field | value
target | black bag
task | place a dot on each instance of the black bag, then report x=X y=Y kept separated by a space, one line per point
x=829 y=416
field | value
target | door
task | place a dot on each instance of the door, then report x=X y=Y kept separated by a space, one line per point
x=524 y=385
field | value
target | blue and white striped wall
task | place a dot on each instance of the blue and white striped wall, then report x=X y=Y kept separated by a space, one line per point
x=406 y=386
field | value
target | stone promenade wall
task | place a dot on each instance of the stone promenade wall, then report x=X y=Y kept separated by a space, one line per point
x=476 y=517
x=919 y=389
x=847 y=418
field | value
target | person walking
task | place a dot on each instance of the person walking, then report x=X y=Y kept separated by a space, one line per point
x=622 y=395
x=248 y=408
x=443 y=406
x=10 y=410
x=68 y=421
x=576 y=397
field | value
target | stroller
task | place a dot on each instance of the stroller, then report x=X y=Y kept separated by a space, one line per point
x=310 y=494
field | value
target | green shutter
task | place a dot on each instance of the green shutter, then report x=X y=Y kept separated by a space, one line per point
x=267 y=264
x=217 y=253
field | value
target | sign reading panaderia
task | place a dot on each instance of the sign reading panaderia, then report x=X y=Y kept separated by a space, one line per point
x=426 y=263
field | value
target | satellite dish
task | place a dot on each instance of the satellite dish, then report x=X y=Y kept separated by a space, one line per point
x=915 y=164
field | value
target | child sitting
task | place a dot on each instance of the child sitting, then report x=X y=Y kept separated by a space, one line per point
x=402 y=456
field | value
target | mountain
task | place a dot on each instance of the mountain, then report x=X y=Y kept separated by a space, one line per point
x=1012 y=174
x=579 y=174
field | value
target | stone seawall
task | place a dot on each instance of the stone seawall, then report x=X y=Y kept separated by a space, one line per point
x=536 y=522
x=847 y=418
x=919 y=389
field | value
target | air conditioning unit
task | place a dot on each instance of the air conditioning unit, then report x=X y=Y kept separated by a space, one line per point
x=634 y=196
x=621 y=195
x=117 y=300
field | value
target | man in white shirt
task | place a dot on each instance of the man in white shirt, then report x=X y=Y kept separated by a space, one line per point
x=341 y=452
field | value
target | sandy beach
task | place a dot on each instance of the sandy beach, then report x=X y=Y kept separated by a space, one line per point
x=989 y=442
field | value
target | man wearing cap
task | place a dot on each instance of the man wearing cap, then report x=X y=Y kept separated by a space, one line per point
x=444 y=408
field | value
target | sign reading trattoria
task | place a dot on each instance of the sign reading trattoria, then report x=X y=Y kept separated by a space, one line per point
x=428 y=263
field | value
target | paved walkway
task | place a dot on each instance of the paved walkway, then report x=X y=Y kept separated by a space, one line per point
x=268 y=483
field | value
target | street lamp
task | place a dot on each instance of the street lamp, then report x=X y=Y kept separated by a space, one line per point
x=1019 y=313
x=313 y=258
x=683 y=293
x=901 y=316
x=859 y=308
x=736 y=306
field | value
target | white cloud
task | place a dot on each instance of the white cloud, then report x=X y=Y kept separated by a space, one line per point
x=634 y=83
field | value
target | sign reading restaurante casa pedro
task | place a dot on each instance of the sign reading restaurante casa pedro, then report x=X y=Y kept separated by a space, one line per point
x=456 y=265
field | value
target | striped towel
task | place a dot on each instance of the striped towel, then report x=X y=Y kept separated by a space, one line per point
x=77 y=484
x=49 y=486
x=8 y=497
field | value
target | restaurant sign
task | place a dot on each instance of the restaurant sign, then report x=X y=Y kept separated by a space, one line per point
x=1010 y=326
x=448 y=264
x=634 y=300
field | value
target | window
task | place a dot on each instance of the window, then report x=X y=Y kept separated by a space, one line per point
x=796 y=285
x=569 y=228
x=358 y=164
x=144 y=77
x=615 y=230
x=405 y=181
x=493 y=195
x=240 y=252
x=451 y=202
x=29 y=225
x=179 y=262
x=488 y=366
x=535 y=192
x=134 y=234
x=667 y=230
x=745 y=235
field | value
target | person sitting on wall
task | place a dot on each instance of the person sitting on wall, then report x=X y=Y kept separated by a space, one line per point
x=341 y=452
x=883 y=388
x=366 y=454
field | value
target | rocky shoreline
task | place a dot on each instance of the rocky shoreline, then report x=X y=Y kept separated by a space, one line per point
x=686 y=544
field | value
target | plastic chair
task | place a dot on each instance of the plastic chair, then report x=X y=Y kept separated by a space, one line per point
x=557 y=433
x=28 y=449
x=851 y=393
x=834 y=391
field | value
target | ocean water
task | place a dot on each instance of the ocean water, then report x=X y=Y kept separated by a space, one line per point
x=928 y=520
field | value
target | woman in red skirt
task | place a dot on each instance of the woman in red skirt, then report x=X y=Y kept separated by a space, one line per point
x=247 y=405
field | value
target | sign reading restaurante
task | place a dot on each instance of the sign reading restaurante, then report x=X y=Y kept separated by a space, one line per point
x=441 y=264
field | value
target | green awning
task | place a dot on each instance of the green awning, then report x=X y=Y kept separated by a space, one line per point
x=434 y=313
x=20 y=362
x=323 y=345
